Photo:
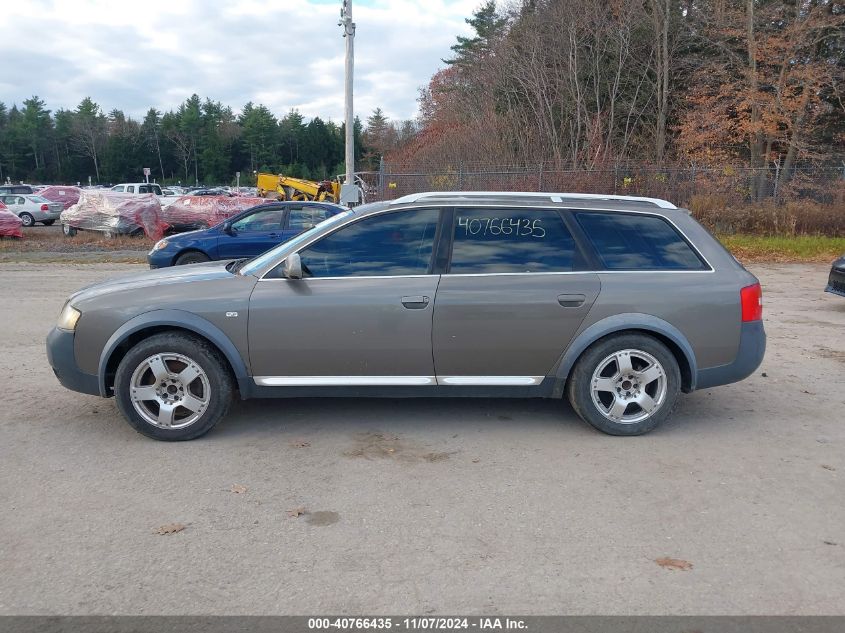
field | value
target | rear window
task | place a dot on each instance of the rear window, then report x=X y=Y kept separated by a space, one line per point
x=625 y=241
x=491 y=241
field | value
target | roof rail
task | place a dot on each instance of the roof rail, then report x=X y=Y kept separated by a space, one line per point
x=553 y=197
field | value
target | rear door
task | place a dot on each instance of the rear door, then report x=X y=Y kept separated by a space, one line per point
x=512 y=299
x=252 y=234
x=301 y=217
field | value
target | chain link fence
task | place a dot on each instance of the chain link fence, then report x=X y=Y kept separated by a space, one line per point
x=820 y=183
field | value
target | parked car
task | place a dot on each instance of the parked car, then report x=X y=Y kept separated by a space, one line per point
x=114 y=213
x=138 y=187
x=246 y=234
x=68 y=196
x=31 y=208
x=618 y=303
x=23 y=189
x=836 y=279
x=10 y=224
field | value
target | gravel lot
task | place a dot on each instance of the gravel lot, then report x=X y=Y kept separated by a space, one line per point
x=426 y=506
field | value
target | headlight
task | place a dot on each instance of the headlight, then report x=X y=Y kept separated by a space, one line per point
x=68 y=318
x=160 y=245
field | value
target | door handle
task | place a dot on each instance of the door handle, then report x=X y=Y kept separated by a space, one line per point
x=571 y=301
x=416 y=302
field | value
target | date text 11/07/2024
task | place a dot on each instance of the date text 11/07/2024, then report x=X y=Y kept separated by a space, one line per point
x=417 y=623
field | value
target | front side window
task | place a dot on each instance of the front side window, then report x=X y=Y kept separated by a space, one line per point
x=302 y=218
x=627 y=241
x=399 y=243
x=260 y=221
x=511 y=241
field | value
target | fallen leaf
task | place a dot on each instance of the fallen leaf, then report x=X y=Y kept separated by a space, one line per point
x=296 y=512
x=170 y=528
x=300 y=444
x=827 y=467
x=830 y=542
x=476 y=460
x=764 y=375
x=674 y=564
x=238 y=489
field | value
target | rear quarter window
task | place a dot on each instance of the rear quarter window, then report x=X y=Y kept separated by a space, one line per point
x=627 y=241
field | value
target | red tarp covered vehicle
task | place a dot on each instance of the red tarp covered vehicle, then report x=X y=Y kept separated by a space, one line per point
x=68 y=196
x=10 y=224
x=200 y=212
x=115 y=214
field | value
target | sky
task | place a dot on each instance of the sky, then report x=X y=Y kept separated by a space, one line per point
x=282 y=53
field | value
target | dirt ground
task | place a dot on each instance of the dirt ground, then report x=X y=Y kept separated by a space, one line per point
x=428 y=506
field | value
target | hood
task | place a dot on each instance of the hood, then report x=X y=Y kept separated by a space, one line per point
x=172 y=275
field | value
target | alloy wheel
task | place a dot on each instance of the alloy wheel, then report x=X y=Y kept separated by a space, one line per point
x=169 y=391
x=628 y=386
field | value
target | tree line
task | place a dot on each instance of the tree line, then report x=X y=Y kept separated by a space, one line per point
x=585 y=84
x=201 y=141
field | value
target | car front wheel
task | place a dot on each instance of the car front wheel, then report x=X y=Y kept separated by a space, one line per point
x=625 y=384
x=173 y=387
x=192 y=257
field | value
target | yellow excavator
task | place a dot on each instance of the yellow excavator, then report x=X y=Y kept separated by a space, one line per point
x=280 y=187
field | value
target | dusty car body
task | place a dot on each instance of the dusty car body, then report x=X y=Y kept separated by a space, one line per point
x=618 y=303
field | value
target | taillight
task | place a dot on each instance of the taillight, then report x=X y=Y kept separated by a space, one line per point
x=751 y=298
x=44 y=207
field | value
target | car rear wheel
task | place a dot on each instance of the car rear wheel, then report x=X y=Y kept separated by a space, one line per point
x=173 y=387
x=27 y=219
x=625 y=384
x=193 y=257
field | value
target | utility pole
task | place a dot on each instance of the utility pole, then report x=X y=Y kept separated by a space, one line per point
x=349 y=193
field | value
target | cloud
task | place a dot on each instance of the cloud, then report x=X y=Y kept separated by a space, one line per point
x=282 y=53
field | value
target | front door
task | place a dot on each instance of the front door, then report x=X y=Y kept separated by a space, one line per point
x=252 y=234
x=512 y=298
x=362 y=313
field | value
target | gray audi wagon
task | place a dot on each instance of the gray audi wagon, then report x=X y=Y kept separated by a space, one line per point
x=617 y=303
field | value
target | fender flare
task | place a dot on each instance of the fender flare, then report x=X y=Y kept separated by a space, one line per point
x=619 y=323
x=178 y=319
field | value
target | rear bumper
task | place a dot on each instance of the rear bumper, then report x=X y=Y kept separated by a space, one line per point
x=752 y=348
x=61 y=357
x=836 y=282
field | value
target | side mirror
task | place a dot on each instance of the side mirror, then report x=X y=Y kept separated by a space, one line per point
x=228 y=230
x=293 y=266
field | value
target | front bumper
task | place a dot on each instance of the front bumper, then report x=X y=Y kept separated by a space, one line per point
x=836 y=281
x=752 y=348
x=159 y=259
x=61 y=357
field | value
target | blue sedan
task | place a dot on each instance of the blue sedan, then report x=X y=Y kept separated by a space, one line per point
x=247 y=234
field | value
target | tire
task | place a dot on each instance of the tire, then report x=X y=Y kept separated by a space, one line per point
x=610 y=399
x=48 y=222
x=68 y=230
x=191 y=257
x=194 y=407
x=27 y=219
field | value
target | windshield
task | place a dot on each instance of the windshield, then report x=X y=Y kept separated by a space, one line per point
x=255 y=265
x=38 y=199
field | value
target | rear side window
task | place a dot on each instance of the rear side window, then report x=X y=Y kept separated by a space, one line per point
x=625 y=241
x=302 y=218
x=511 y=241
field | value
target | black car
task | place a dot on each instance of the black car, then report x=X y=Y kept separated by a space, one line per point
x=836 y=281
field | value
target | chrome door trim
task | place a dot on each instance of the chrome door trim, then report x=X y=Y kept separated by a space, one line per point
x=396 y=381
x=343 y=381
x=479 y=381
